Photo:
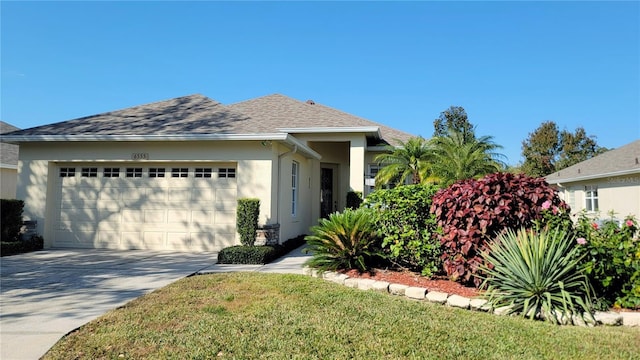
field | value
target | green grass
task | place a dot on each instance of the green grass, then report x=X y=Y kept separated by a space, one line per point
x=271 y=316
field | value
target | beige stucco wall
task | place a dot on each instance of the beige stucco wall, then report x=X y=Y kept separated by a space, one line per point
x=8 y=182
x=620 y=194
x=36 y=179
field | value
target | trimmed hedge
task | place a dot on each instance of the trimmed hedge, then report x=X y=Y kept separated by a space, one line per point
x=258 y=255
x=11 y=219
x=18 y=247
x=247 y=220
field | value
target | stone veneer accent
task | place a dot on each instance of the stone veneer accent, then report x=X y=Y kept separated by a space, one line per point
x=418 y=293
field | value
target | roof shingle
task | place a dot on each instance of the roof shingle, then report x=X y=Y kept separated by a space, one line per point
x=623 y=160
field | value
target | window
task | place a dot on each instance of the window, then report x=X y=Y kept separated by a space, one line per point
x=203 y=172
x=591 y=198
x=156 y=172
x=134 y=172
x=294 y=188
x=179 y=172
x=226 y=173
x=89 y=172
x=111 y=172
x=67 y=172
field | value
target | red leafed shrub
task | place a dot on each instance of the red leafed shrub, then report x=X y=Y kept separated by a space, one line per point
x=473 y=212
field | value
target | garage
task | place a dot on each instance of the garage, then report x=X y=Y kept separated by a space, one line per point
x=154 y=206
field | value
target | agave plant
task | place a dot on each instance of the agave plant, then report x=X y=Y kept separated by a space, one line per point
x=537 y=275
x=346 y=240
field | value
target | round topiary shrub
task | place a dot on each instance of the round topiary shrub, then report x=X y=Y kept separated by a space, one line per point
x=473 y=212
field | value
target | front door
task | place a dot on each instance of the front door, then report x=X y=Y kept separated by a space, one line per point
x=328 y=203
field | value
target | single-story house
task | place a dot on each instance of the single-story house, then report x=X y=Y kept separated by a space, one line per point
x=607 y=182
x=8 y=164
x=167 y=175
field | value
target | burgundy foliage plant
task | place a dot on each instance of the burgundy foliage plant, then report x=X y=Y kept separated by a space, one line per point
x=472 y=213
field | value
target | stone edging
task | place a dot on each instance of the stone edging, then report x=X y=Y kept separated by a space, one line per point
x=422 y=294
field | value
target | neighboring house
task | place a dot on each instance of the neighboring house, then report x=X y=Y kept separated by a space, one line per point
x=607 y=182
x=8 y=165
x=167 y=175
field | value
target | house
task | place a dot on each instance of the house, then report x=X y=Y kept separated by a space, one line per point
x=167 y=175
x=8 y=165
x=607 y=182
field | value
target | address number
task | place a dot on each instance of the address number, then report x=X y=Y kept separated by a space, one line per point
x=140 y=156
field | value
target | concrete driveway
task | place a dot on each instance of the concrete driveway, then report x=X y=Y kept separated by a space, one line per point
x=46 y=294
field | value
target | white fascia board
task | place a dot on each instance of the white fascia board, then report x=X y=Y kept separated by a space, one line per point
x=591 y=177
x=333 y=130
x=293 y=142
x=164 y=137
x=8 y=166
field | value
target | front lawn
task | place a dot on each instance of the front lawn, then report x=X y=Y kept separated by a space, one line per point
x=273 y=316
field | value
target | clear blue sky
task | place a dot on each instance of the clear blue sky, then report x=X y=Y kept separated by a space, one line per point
x=511 y=65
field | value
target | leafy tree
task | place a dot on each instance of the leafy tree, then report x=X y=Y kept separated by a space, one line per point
x=548 y=149
x=409 y=160
x=456 y=158
x=455 y=117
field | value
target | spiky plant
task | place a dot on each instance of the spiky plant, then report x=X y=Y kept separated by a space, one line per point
x=346 y=240
x=537 y=275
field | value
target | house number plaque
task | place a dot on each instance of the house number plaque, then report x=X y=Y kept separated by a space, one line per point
x=139 y=156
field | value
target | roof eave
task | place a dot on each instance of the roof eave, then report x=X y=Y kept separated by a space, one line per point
x=371 y=130
x=16 y=139
x=591 y=177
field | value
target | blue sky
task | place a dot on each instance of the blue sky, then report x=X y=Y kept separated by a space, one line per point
x=511 y=65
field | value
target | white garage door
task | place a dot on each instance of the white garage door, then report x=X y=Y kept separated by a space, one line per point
x=142 y=206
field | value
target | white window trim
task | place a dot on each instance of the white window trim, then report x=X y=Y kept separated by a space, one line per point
x=591 y=198
x=295 y=176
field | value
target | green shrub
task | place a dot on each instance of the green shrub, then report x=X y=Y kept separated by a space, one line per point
x=537 y=273
x=406 y=226
x=473 y=212
x=243 y=254
x=22 y=246
x=354 y=199
x=345 y=240
x=247 y=220
x=11 y=219
x=612 y=259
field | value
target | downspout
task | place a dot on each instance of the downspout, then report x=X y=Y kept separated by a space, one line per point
x=290 y=152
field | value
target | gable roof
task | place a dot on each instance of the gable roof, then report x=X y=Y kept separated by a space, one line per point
x=8 y=152
x=279 y=112
x=196 y=116
x=621 y=161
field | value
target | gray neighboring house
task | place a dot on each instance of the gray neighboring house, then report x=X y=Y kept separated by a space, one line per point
x=607 y=182
x=8 y=164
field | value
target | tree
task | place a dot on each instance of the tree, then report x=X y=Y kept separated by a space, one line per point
x=455 y=117
x=548 y=149
x=456 y=158
x=409 y=160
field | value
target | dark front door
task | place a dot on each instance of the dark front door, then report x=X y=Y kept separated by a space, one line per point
x=326 y=192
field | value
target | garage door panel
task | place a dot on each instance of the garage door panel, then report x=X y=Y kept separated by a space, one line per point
x=185 y=214
x=154 y=239
x=225 y=217
x=202 y=217
x=75 y=204
x=110 y=194
x=155 y=216
x=178 y=216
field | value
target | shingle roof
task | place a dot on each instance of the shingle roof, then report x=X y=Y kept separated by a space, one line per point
x=198 y=114
x=278 y=111
x=621 y=161
x=193 y=114
x=8 y=152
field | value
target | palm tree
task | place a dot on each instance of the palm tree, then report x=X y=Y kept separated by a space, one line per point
x=408 y=160
x=457 y=157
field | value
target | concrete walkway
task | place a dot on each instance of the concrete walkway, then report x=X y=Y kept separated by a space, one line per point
x=46 y=294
